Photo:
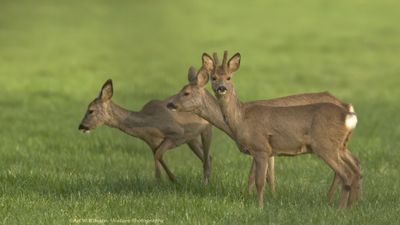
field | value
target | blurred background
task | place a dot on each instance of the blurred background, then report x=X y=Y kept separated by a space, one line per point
x=55 y=55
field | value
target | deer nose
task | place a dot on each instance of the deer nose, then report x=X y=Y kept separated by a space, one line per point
x=171 y=106
x=221 y=90
x=81 y=127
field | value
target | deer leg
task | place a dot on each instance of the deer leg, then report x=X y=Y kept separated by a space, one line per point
x=333 y=159
x=261 y=161
x=171 y=176
x=354 y=168
x=206 y=137
x=332 y=189
x=271 y=175
x=357 y=184
x=196 y=147
x=356 y=190
x=157 y=171
x=158 y=152
x=252 y=177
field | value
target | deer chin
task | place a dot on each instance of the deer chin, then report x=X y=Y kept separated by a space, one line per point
x=86 y=131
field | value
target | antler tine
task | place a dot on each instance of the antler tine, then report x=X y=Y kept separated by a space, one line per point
x=216 y=61
x=225 y=57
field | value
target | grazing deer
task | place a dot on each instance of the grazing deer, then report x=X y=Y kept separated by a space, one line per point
x=160 y=128
x=322 y=129
x=193 y=97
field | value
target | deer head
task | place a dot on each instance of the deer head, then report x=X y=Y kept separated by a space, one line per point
x=190 y=97
x=98 y=111
x=221 y=74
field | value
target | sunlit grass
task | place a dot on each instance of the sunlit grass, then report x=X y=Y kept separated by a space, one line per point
x=54 y=57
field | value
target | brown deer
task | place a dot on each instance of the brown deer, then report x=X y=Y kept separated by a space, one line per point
x=193 y=97
x=322 y=129
x=160 y=128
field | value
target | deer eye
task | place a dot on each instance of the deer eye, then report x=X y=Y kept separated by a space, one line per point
x=186 y=93
x=229 y=78
x=213 y=78
x=90 y=111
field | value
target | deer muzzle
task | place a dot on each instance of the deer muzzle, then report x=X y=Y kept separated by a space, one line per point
x=221 y=90
x=171 y=106
x=84 y=128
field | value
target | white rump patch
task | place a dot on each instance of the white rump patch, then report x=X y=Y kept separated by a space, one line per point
x=351 y=121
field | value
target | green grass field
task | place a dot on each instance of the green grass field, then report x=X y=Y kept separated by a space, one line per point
x=55 y=55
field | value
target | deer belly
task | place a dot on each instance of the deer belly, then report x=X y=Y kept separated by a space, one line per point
x=288 y=146
x=291 y=152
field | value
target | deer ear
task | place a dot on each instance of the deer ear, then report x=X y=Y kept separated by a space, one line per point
x=234 y=63
x=202 y=78
x=107 y=90
x=208 y=62
x=192 y=74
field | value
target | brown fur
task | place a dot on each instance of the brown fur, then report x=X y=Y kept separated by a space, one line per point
x=268 y=131
x=160 y=128
x=202 y=103
x=195 y=98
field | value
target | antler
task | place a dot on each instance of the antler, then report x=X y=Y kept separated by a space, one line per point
x=224 y=60
x=216 y=61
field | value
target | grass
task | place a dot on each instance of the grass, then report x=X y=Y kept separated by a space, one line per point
x=55 y=55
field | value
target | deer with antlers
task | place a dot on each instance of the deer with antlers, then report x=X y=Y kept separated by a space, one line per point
x=265 y=131
x=193 y=97
x=160 y=128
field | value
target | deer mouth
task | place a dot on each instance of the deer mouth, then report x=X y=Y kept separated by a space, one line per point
x=221 y=90
x=171 y=106
x=84 y=129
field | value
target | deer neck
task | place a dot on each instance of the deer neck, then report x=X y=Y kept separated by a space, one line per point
x=211 y=112
x=231 y=109
x=125 y=120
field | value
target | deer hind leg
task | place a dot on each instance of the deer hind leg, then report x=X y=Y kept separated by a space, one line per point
x=359 y=173
x=332 y=189
x=332 y=158
x=356 y=191
x=353 y=165
x=196 y=146
x=159 y=163
x=206 y=137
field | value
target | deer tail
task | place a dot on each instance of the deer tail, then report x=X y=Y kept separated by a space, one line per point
x=350 y=108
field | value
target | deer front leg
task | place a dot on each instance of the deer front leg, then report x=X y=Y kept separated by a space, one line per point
x=252 y=177
x=159 y=163
x=270 y=176
x=261 y=161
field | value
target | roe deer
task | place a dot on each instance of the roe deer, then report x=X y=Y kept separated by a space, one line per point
x=322 y=129
x=160 y=128
x=193 y=97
